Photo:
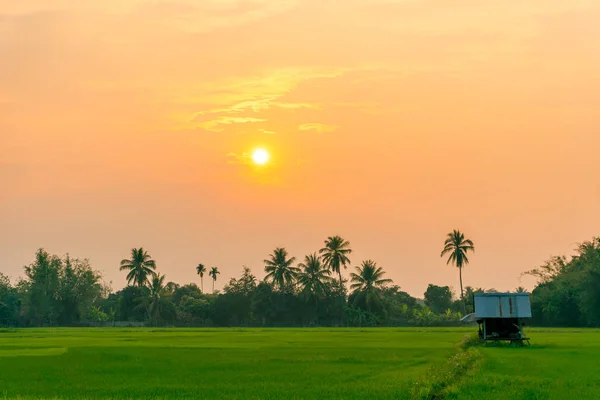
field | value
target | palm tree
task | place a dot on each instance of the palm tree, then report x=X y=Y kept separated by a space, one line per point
x=157 y=297
x=335 y=254
x=314 y=278
x=457 y=246
x=279 y=268
x=214 y=271
x=314 y=275
x=156 y=300
x=200 y=270
x=140 y=267
x=367 y=284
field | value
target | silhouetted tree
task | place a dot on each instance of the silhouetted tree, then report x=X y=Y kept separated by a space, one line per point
x=191 y=290
x=80 y=288
x=10 y=303
x=200 y=270
x=214 y=271
x=457 y=247
x=127 y=302
x=367 y=284
x=245 y=285
x=335 y=254
x=568 y=290
x=140 y=267
x=67 y=291
x=438 y=298
x=279 y=268
x=58 y=291
x=157 y=303
x=313 y=279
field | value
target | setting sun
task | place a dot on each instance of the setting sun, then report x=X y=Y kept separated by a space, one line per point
x=260 y=156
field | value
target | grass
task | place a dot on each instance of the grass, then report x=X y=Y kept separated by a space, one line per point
x=560 y=364
x=223 y=364
x=293 y=364
x=444 y=379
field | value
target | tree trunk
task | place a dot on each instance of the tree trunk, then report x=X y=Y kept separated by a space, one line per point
x=343 y=319
x=462 y=296
x=214 y=285
x=202 y=284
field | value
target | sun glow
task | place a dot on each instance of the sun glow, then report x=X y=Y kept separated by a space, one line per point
x=260 y=156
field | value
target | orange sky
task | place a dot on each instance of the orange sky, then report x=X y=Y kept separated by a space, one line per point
x=390 y=122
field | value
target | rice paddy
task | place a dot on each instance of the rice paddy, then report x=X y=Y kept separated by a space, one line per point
x=381 y=363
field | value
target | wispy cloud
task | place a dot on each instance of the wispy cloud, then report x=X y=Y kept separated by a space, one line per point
x=256 y=106
x=265 y=88
x=295 y=106
x=216 y=125
x=318 y=127
x=257 y=94
x=260 y=103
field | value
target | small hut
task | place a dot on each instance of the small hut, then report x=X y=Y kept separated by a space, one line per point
x=500 y=316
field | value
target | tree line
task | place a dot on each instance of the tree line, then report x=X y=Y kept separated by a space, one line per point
x=568 y=289
x=62 y=291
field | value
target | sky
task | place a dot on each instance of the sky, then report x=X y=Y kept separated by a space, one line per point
x=389 y=122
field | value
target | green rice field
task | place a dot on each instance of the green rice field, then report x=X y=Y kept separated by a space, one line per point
x=384 y=363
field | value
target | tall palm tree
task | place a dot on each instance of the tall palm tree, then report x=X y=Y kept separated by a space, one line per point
x=314 y=278
x=335 y=254
x=367 y=284
x=457 y=246
x=140 y=267
x=200 y=270
x=314 y=275
x=279 y=268
x=156 y=300
x=214 y=271
x=157 y=297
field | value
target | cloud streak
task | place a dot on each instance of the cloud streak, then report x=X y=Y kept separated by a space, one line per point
x=318 y=127
x=217 y=125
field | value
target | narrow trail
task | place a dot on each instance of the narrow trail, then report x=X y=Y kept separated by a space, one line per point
x=440 y=379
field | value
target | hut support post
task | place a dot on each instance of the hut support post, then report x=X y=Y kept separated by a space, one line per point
x=484 y=332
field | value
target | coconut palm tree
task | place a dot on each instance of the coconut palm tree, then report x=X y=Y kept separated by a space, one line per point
x=335 y=254
x=200 y=270
x=157 y=296
x=367 y=284
x=457 y=246
x=314 y=275
x=140 y=267
x=280 y=269
x=156 y=299
x=314 y=278
x=214 y=271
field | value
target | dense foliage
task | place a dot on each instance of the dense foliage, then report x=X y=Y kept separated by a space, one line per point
x=62 y=291
x=69 y=292
x=568 y=292
x=55 y=291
